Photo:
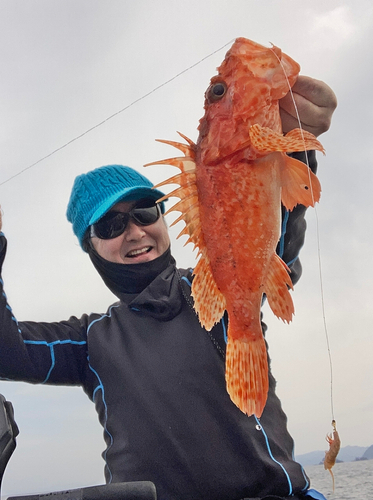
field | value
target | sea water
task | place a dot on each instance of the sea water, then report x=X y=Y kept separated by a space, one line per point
x=353 y=480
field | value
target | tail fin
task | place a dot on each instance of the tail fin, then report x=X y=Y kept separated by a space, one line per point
x=246 y=373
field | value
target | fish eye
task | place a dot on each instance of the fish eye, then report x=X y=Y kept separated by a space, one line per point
x=216 y=91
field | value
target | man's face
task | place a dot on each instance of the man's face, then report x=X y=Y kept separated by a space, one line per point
x=137 y=244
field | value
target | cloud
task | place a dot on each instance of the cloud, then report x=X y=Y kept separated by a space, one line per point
x=334 y=28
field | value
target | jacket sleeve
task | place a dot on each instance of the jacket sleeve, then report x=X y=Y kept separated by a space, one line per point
x=53 y=353
x=294 y=226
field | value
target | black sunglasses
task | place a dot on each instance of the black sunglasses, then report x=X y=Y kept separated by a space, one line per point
x=113 y=224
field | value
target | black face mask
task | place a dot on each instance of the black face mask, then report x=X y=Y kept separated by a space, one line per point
x=129 y=278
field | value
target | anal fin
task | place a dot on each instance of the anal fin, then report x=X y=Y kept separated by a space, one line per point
x=276 y=288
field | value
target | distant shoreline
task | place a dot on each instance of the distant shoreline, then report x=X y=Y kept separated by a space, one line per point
x=346 y=454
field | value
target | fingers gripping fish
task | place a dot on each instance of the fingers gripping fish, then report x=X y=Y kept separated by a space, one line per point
x=232 y=183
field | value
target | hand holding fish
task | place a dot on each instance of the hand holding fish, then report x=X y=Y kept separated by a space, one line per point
x=315 y=102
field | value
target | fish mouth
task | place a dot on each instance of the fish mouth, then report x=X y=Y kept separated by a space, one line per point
x=139 y=251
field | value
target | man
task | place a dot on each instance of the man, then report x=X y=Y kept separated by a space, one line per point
x=155 y=376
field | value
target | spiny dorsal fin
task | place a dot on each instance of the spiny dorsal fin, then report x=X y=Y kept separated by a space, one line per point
x=187 y=149
x=181 y=179
x=209 y=302
x=185 y=164
x=187 y=192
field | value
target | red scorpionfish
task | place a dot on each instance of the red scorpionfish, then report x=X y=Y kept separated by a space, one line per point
x=232 y=184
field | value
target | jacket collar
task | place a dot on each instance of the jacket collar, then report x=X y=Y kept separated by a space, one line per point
x=161 y=299
x=150 y=288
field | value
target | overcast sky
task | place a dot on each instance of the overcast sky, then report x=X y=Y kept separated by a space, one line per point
x=67 y=65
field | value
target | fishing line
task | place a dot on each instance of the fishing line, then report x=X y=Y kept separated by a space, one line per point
x=116 y=113
x=317 y=240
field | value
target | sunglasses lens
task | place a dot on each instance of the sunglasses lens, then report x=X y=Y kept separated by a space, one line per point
x=145 y=216
x=111 y=225
x=114 y=224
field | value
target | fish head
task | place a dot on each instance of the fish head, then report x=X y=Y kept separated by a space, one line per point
x=250 y=81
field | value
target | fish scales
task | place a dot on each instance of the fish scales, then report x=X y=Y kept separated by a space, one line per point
x=230 y=227
x=232 y=184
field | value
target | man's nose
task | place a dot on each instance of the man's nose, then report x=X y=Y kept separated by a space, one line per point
x=133 y=231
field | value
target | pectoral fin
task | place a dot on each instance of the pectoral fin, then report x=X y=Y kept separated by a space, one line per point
x=299 y=184
x=265 y=140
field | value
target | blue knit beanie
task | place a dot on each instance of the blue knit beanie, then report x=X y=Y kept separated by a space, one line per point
x=94 y=193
